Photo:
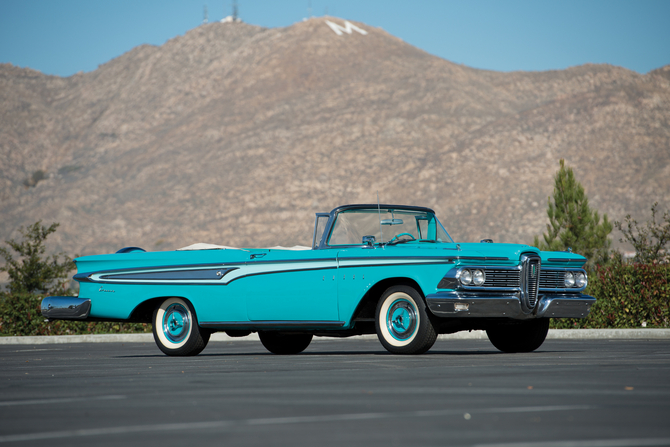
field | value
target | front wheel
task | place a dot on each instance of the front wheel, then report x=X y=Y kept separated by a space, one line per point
x=176 y=329
x=402 y=323
x=283 y=343
x=525 y=336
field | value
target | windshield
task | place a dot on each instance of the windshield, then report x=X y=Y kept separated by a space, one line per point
x=388 y=226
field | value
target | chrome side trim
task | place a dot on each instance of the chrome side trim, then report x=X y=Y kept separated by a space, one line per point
x=65 y=308
x=265 y=325
x=502 y=305
x=170 y=275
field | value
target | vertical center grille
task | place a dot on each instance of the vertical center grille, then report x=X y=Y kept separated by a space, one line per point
x=531 y=276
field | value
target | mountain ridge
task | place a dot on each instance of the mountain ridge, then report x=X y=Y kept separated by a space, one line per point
x=236 y=134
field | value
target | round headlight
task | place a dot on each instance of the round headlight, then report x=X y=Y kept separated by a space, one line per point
x=478 y=277
x=580 y=279
x=466 y=277
x=569 y=279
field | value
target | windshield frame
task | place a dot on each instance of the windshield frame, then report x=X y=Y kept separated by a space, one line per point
x=374 y=208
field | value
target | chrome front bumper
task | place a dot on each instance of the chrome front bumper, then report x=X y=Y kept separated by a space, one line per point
x=65 y=308
x=463 y=304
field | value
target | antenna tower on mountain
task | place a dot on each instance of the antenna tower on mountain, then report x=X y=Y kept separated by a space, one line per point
x=206 y=16
x=233 y=18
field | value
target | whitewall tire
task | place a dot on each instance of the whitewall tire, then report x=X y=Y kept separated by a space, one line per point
x=176 y=330
x=402 y=322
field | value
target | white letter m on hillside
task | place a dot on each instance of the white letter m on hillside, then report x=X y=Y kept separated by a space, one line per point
x=347 y=28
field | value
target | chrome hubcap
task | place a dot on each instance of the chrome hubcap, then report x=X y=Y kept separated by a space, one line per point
x=176 y=323
x=401 y=319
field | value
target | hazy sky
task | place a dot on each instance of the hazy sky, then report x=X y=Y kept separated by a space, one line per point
x=67 y=36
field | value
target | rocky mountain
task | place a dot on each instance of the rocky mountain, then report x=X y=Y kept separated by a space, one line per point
x=235 y=134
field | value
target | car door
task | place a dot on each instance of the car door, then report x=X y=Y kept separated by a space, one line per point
x=286 y=285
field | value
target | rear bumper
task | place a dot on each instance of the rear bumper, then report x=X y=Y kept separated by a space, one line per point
x=508 y=305
x=65 y=308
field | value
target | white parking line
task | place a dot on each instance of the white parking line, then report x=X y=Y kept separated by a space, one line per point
x=635 y=442
x=222 y=424
x=12 y=403
x=35 y=350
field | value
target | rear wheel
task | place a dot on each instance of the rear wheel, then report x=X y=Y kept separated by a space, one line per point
x=525 y=336
x=176 y=329
x=283 y=343
x=402 y=323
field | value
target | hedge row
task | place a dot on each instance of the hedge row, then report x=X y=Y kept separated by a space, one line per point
x=20 y=315
x=627 y=296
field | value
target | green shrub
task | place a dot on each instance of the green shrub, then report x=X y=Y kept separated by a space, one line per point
x=20 y=314
x=32 y=271
x=649 y=241
x=627 y=296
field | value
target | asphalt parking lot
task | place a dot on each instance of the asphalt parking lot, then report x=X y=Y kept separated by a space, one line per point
x=338 y=392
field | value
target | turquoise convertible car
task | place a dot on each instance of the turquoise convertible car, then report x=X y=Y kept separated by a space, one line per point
x=384 y=269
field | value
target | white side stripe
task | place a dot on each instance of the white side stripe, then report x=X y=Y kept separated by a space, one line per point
x=255 y=269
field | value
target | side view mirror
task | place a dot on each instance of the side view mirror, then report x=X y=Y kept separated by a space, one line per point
x=369 y=240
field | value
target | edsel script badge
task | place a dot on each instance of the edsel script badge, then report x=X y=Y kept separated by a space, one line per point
x=102 y=289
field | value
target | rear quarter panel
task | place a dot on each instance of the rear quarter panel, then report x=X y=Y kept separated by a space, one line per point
x=117 y=300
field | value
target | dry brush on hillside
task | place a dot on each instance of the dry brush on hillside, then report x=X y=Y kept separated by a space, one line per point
x=235 y=134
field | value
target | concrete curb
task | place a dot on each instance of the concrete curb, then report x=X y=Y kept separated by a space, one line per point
x=609 y=334
x=554 y=334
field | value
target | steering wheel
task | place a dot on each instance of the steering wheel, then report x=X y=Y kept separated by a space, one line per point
x=397 y=236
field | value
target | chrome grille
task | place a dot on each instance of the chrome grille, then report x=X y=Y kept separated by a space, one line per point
x=552 y=279
x=532 y=276
x=502 y=278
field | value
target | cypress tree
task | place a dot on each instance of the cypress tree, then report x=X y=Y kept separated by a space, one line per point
x=573 y=225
